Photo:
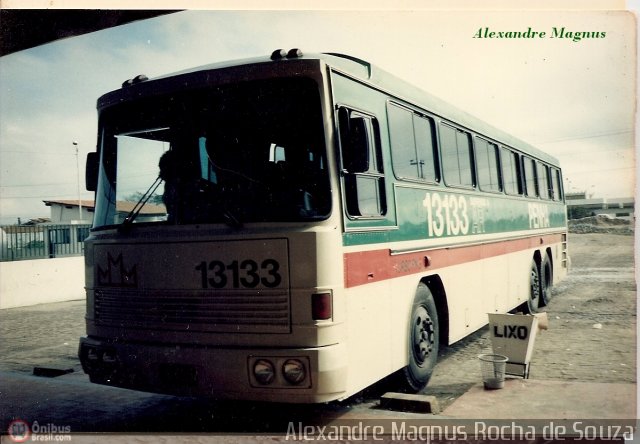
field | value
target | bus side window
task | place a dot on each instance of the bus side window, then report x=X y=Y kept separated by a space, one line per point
x=543 y=181
x=531 y=184
x=556 y=192
x=457 y=155
x=510 y=176
x=361 y=164
x=487 y=159
x=412 y=145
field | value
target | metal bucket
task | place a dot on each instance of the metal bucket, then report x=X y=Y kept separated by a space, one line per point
x=493 y=367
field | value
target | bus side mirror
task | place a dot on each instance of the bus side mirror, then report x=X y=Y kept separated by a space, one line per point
x=91 y=171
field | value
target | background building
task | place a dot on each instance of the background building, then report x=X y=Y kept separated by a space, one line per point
x=579 y=206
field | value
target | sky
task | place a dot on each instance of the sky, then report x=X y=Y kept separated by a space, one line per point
x=572 y=99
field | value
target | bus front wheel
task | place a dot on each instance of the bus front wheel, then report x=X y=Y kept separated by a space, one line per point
x=424 y=339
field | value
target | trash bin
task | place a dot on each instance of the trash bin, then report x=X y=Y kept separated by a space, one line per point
x=513 y=335
x=493 y=367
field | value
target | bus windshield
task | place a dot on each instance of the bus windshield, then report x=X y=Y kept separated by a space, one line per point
x=245 y=152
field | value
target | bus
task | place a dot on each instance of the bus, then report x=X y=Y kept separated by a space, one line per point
x=322 y=225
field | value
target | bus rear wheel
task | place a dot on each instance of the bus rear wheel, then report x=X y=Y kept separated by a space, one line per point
x=534 y=302
x=424 y=338
x=546 y=281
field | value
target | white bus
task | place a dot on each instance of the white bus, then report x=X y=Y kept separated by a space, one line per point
x=325 y=225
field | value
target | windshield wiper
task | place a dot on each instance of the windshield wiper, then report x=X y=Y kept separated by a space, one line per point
x=230 y=219
x=228 y=216
x=141 y=202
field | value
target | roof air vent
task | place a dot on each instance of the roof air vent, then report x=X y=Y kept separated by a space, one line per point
x=294 y=53
x=278 y=54
x=137 y=79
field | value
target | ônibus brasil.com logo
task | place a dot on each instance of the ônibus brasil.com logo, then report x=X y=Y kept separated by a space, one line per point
x=20 y=431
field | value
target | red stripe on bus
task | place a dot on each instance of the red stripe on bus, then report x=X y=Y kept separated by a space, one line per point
x=364 y=267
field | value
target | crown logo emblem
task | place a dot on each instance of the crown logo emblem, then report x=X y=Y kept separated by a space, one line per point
x=116 y=274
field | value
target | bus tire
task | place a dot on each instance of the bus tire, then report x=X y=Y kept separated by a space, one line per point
x=533 y=302
x=424 y=339
x=546 y=281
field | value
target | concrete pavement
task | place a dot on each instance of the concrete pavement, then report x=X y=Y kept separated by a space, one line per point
x=47 y=336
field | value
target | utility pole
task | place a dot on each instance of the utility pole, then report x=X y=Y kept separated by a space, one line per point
x=75 y=144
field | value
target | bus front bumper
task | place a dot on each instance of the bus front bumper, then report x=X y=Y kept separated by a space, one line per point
x=302 y=375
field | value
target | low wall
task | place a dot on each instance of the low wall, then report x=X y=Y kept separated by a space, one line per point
x=40 y=281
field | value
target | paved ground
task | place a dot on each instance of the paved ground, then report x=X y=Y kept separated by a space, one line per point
x=587 y=357
x=592 y=324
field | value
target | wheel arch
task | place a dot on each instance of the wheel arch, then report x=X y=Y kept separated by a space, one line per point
x=546 y=276
x=537 y=257
x=436 y=287
x=549 y=253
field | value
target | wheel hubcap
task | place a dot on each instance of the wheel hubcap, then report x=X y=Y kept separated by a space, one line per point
x=535 y=286
x=423 y=335
x=534 y=292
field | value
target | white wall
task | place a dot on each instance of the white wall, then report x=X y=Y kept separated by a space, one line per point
x=41 y=281
x=67 y=214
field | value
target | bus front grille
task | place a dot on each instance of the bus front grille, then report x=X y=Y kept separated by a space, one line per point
x=264 y=311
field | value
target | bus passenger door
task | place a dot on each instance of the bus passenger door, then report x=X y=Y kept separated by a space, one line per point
x=367 y=221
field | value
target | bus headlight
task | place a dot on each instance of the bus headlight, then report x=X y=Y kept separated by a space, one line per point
x=92 y=354
x=294 y=371
x=109 y=357
x=264 y=372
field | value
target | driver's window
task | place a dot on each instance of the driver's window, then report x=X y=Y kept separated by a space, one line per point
x=361 y=164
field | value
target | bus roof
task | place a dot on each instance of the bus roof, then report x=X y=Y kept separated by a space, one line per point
x=409 y=93
x=389 y=83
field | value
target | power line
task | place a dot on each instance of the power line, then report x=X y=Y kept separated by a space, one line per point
x=599 y=170
x=590 y=136
x=54 y=196
x=37 y=185
x=141 y=175
x=46 y=153
x=607 y=152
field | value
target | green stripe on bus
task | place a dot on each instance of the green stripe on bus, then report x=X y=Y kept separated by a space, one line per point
x=428 y=214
